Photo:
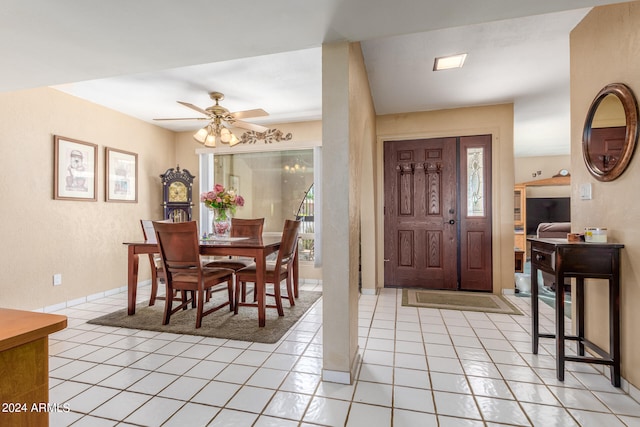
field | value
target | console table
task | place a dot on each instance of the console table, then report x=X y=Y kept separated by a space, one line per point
x=580 y=260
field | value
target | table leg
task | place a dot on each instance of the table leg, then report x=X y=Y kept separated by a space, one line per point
x=534 y=309
x=295 y=274
x=132 y=280
x=579 y=304
x=261 y=288
x=560 y=327
x=614 y=326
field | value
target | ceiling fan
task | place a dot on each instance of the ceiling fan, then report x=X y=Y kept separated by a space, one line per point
x=220 y=120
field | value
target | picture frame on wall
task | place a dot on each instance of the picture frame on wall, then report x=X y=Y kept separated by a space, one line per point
x=74 y=169
x=121 y=176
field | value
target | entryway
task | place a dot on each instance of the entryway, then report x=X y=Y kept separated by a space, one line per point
x=437 y=213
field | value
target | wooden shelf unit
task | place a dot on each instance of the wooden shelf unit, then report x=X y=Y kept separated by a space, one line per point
x=520 y=218
x=520 y=208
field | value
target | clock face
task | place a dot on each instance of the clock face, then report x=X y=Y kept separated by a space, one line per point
x=177 y=192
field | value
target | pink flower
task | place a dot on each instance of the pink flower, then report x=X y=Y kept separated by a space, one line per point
x=221 y=198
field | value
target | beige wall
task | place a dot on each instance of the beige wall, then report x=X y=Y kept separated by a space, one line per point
x=496 y=120
x=78 y=239
x=604 y=49
x=548 y=166
x=187 y=158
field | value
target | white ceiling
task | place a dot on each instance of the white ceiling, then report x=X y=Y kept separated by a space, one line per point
x=139 y=57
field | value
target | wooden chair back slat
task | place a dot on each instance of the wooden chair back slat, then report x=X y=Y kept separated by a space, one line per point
x=246 y=227
x=289 y=242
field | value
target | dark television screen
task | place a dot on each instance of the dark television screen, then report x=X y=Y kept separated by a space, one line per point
x=547 y=209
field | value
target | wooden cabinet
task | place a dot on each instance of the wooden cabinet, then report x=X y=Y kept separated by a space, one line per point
x=24 y=367
x=520 y=217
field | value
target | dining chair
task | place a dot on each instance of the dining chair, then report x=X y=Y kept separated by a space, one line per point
x=155 y=263
x=180 y=253
x=276 y=271
x=240 y=228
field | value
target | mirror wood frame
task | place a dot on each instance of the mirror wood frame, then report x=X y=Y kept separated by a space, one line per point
x=628 y=100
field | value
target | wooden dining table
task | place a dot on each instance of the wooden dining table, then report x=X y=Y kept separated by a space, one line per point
x=258 y=248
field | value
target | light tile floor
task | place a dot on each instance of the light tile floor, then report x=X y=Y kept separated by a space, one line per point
x=420 y=367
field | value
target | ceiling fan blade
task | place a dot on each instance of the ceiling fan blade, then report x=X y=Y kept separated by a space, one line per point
x=194 y=107
x=185 y=118
x=249 y=126
x=258 y=112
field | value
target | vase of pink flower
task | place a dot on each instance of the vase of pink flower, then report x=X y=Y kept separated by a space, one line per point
x=223 y=203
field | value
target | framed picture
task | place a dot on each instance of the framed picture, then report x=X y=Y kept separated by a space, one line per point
x=121 y=176
x=74 y=169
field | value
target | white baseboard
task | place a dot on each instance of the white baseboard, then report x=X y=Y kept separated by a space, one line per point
x=342 y=377
x=92 y=297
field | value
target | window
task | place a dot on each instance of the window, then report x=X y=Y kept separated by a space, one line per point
x=276 y=185
x=475 y=186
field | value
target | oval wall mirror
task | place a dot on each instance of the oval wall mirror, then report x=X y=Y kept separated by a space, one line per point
x=610 y=132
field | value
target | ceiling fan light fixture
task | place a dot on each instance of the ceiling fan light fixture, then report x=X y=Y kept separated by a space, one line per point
x=233 y=140
x=210 y=140
x=201 y=135
x=206 y=136
x=449 y=62
x=225 y=135
x=220 y=119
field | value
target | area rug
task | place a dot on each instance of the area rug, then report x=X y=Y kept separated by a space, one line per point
x=219 y=324
x=457 y=300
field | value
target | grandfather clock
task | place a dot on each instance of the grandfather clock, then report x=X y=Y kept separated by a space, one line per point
x=177 y=190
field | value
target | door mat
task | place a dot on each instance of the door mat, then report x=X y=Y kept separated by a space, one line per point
x=457 y=300
x=219 y=324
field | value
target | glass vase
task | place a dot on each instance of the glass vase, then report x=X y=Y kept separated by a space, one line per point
x=221 y=223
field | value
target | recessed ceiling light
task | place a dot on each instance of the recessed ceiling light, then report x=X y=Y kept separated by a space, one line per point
x=449 y=62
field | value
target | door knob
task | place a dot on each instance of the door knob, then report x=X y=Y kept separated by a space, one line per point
x=452 y=221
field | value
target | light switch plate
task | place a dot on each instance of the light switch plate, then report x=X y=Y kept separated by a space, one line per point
x=585 y=191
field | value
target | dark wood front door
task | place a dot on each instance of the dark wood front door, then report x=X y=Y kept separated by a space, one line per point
x=429 y=242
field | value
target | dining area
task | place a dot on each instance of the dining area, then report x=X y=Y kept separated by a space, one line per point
x=231 y=265
x=192 y=267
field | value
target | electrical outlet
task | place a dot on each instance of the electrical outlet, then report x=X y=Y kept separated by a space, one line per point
x=57 y=279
